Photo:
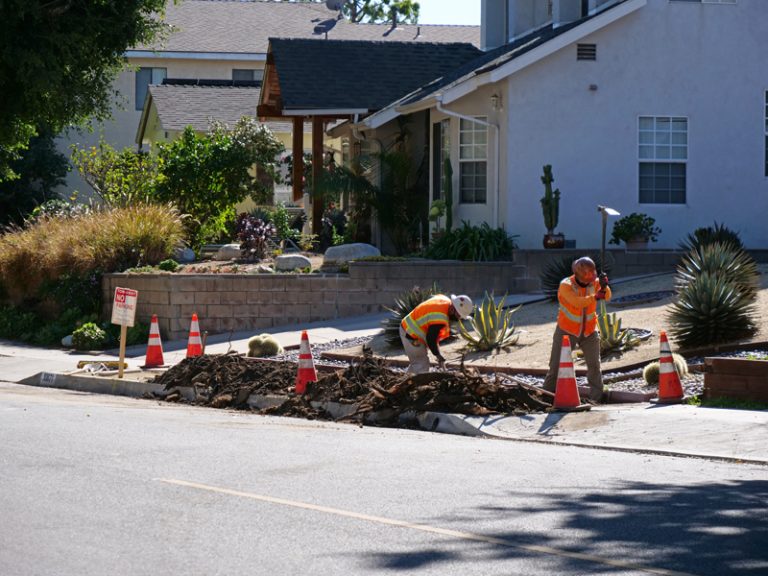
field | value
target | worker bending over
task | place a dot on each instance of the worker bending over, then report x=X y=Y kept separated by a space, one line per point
x=578 y=296
x=427 y=325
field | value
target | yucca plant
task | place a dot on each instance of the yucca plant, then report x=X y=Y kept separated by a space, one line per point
x=721 y=260
x=554 y=272
x=712 y=309
x=719 y=233
x=613 y=338
x=491 y=324
x=404 y=305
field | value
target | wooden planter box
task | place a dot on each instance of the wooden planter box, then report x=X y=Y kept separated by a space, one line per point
x=736 y=378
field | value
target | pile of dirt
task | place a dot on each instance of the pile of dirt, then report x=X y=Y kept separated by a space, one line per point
x=228 y=380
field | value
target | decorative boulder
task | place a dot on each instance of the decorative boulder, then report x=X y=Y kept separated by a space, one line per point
x=228 y=252
x=184 y=255
x=346 y=252
x=288 y=262
x=264 y=269
x=67 y=341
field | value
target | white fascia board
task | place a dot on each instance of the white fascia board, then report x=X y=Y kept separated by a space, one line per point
x=325 y=112
x=380 y=118
x=589 y=27
x=165 y=55
x=464 y=87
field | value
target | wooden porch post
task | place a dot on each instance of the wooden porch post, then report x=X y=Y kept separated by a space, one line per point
x=298 y=158
x=317 y=173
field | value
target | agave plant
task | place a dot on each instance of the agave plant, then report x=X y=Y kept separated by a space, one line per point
x=722 y=260
x=719 y=233
x=613 y=338
x=404 y=305
x=712 y=309
x=556 y=270
x=491 y=324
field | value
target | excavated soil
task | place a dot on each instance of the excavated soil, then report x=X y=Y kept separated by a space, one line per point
x=228 y=380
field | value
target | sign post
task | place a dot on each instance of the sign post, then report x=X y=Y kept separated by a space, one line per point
x=124 y=313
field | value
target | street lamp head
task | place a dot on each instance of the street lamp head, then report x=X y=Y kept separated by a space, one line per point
x=608 y=211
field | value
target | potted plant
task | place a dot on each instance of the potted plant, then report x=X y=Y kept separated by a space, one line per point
x=635 y=230
x=550 y=205
x=436 y=211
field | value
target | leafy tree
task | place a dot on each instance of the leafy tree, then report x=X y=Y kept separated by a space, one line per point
x=58 y=59
x=378 y=10
x=40 y=169
x=118 y=178
x=205 y=175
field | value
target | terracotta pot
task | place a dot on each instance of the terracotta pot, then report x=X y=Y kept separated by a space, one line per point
x=639 y=243
x=554 y=241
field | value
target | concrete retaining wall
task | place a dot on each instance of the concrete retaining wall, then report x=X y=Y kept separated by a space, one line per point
x=225 y=302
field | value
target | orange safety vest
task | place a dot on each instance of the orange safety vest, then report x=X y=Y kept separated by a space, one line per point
x=574 y=302
x=431 y=311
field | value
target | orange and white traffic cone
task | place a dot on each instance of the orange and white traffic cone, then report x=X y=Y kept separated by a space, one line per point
x=195 y=343
x=307 y=372
x=670 y=387
x=566 y=392
x=154 y=346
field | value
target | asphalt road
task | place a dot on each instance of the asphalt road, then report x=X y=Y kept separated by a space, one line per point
x=96 y=485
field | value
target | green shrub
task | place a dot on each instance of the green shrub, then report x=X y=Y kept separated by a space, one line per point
x=491 y=324
x=473 y=243
x=169 y=265
x=404 y=305
x=635 y=225
x=651 y=371
x=89 y=337
x=263 y=345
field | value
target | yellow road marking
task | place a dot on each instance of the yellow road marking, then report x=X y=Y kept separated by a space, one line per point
x=424 y=528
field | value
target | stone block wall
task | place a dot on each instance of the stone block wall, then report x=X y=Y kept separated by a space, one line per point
x=237 y=302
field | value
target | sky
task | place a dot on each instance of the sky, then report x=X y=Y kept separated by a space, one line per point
x=449 y=12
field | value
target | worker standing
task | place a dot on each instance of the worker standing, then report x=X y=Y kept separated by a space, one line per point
x=427 y=325
x=578 y=296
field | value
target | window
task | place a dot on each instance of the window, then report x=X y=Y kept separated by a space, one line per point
x=708 y=1
x=473 y=161
x=663 y=151
x=441 y=150
x=766 y=133
x=145 y=77
x=247 y=74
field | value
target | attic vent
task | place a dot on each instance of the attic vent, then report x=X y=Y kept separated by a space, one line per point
x=586 y=52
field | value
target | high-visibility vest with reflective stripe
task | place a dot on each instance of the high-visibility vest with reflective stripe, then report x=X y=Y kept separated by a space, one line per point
x=571 y=315
x=430 y=312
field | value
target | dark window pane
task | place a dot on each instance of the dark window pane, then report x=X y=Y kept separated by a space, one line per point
x=143 y=78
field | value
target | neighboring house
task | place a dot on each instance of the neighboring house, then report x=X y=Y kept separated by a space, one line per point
x=654 y=106
x=228 y=40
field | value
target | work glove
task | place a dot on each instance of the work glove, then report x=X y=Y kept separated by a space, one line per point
x=603 y=281
x=600 y=295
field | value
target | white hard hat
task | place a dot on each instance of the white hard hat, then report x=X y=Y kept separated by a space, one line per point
x=463 y=305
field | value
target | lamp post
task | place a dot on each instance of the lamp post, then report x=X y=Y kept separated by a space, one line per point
x=605 y=211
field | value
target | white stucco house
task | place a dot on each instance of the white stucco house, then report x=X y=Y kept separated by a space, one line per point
x=652 y=106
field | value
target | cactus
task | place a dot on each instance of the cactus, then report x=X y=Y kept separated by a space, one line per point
x=263 y=346
x=550 y=203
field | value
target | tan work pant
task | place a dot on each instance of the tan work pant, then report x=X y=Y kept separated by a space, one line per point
x=416 y=352
x=590 y=346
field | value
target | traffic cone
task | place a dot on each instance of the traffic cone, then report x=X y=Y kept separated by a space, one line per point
x=195 y=344
x=307 y=372
x=154 y=346
x=566 y=392
x=670 y=388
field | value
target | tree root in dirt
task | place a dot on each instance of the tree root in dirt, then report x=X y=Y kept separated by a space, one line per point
x=228 y=380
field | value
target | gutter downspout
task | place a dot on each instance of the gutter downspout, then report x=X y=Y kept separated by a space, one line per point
x=496 y=150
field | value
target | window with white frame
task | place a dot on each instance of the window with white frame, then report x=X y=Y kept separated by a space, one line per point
x=145 y=77
x=708 y=1
x=766 y=133
x=663 y=152
x=248 y=75
x=473 y=162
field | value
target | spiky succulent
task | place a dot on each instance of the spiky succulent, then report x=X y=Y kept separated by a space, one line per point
x=711 y=309
x=613 y=338
x=404 y=305
x=722 y=260
x=491 y=324
x=719 y=233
